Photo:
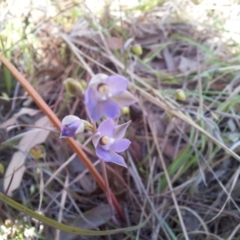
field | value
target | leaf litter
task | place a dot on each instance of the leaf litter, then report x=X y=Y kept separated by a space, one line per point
x=16 y=168
x=179 y=51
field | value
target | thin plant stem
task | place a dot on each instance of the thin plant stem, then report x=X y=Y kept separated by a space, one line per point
x=54 y=119
x=109 y=198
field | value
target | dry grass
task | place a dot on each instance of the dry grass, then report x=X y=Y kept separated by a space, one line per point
x=183 y=161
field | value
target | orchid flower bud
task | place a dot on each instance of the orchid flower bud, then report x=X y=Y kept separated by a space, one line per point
x=137 y=49
x=125 y=110
x=83 y=84
x=73 y=87
x=180 y=95
x=71 y=126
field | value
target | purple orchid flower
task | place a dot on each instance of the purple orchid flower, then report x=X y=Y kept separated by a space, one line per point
x=105 y=96
x=71 y=126
x=109 y=141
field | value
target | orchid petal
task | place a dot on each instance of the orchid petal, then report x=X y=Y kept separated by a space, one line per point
x=117 y=84
x=103 y=154
x=69 y=119
x=120 y=145
x=95 y=139
x=120 y=130
x=90 y=98
x=98 y=78
x=67 y=132
x=110 y=109
x=125 y=99
x=107 y=128
x=117 y=159
x=109 y=156
x=95 y=113
x=92 y=105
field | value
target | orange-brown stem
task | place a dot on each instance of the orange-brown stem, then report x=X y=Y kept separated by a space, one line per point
x=56 y=122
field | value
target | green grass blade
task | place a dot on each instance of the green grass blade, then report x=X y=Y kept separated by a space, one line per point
x=8 y=80
x=61 y=226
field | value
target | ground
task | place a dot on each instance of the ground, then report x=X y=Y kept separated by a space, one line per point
x=182 y=62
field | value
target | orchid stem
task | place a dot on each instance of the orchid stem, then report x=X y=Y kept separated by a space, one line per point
x=104 y=170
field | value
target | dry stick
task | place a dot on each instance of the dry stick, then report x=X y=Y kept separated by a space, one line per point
x=170 y=185
x=53 y=118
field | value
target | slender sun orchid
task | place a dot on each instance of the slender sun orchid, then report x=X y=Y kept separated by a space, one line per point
x=109 y=141
x=105 y=96
x=71 y=126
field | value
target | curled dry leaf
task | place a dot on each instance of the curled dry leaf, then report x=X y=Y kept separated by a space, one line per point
x=17 y=163
x=13 y=119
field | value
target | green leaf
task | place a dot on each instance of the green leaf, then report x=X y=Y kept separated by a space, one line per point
x=64 y=227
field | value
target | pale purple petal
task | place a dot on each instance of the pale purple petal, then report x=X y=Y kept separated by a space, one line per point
x=125 y=99
x=118 y=159
x=95 y=139
x=103 y=154
x=95 y=113
x=69 y=119
x=70 y=126
x=93 y=107
x=109 y=156
x=120 y=130
x=98 y=78
x=120 y=145
x=110 y=109
x=117 y=84
x=107 y=128
x=90 y=98
x=70 y=130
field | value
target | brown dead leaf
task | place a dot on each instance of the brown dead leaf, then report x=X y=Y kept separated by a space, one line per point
x=91 y=220
x=87 y=183
x=187 y=65
x=135 y=149
x=17 y=163
x=170 y=151
x=46 y=88
x=114 y=43
x=160 y=123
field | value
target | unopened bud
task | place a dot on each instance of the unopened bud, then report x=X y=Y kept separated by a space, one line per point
x=180 y=95
x=73 y=87
x=137 y=49
x=32 y=189
x=83 y=84
x=125 y=110
x=37 y=152
x=71 y=126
